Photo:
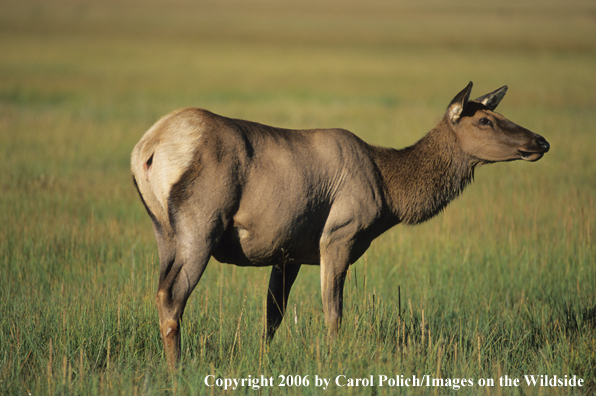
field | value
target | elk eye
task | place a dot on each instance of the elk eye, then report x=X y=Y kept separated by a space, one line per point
x=485 y=121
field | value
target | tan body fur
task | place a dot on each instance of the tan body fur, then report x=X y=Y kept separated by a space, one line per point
x=253 y=195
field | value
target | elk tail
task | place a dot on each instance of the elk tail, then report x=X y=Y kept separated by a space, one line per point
x=141 y=166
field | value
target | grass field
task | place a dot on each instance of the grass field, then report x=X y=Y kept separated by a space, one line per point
x=502 y=283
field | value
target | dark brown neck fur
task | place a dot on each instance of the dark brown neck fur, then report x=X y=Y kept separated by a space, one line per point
x=422 y=179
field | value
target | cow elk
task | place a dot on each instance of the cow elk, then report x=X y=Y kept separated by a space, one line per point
x=254 y=195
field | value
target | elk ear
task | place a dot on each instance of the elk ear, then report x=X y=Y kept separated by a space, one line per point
x=492 y=100
x=459 y=103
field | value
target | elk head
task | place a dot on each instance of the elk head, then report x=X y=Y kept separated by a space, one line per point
x=487 y=136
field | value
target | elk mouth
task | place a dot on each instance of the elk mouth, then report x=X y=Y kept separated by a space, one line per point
x=541 y=146
x=531 y=156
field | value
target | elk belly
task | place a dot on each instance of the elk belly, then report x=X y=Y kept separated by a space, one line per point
x=256 y=247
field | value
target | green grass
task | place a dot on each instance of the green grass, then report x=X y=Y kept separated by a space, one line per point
x=502 y=283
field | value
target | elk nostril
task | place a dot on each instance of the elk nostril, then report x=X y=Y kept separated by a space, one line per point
x=542 y=143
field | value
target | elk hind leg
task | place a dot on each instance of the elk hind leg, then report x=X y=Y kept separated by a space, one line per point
x=177 y=280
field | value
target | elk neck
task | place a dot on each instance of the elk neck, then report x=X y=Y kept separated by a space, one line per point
x=420 y=180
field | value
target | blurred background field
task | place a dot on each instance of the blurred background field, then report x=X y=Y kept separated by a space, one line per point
x=502 y=282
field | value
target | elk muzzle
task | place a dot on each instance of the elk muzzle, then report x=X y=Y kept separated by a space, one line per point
x=535 y=149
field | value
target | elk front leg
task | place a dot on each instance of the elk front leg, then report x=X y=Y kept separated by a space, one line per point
x=280 y=282
x=333 y=276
